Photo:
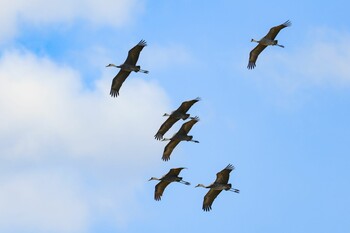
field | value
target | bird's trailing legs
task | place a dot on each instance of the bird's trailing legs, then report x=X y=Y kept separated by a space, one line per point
x=144 y=71
x=184 y=182
x=234 y=190
x=191 y=140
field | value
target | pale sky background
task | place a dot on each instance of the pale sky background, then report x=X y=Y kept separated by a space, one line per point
x=75 y=160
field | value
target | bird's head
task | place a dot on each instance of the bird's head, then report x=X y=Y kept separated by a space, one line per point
x=166 y=114
x=110 y=65
x=153 y=178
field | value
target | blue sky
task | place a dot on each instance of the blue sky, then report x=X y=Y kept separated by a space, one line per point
x=75 y=160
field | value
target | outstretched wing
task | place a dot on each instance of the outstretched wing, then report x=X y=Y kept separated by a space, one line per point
x=185 y=106
x=159 y=189
x=209 y=199
x=186 y=127
x=175 y=171
x=169 y=149
x=271 y=35
x=134 y=53
x=165 y=127
x=253 y=55
x=223 y=176
x=118 y=81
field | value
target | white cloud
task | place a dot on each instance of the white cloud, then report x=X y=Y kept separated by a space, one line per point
x=320 y=61
x=50 y=122
x=40 y=12
x=42 y=202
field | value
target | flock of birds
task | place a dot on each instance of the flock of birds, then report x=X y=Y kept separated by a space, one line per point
x=222 y=177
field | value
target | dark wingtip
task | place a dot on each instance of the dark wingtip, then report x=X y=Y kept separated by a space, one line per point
x=142 y=43
x=196 y=118
x=158 y=136
x=230 y=167
x=165 y=158
x=251 y=65
x=288 y=23
x=206 y=208
x=114 y=93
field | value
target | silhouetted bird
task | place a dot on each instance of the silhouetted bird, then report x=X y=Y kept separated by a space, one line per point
x=267 y=40
x=221 y=183
x=181 y=135
x=171 y=176
x=126 y=68
x=179 y=113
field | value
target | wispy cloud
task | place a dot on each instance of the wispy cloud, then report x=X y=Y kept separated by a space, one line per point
x=41 y=12
x=42 y=202
x=51 y=124
x=319 y=61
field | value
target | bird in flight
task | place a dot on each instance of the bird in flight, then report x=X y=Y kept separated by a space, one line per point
x=171 y=176
x=173 y=117
x=127 y=67
x=181 y=135
x=267 y=40
x=221 y=183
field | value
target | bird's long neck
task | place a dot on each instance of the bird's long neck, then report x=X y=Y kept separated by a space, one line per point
x=110 y=65
x=202 y=185
x=154 y=178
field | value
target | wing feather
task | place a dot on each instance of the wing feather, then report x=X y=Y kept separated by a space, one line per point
x=209 y=199
x=186 y=105
x=175 y=171
x=186 y=127
x=165 y=127
x=134 y=53
x=223 y=176
x=117 y=82
x=169 y=149
x=159 y=189
x=253 y=55
x=271 y=35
